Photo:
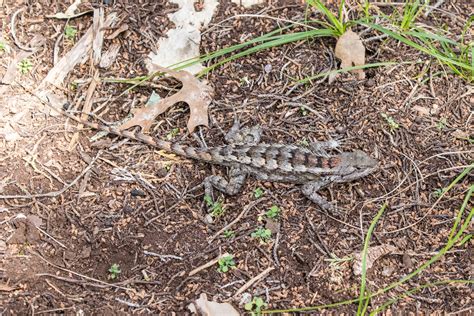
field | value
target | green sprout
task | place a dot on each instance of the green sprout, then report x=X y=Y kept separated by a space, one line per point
x=391 y=122
x=255 y=305
x=441 y=124
x=70 y=32
x=304 y=142
x=273 y=212
x=258 y=192
x=229 y=233
x=438 y=192
x=25 y=66
x=172 y=134
x=114 y=271
x=217 y=209
x=225 y=263
x=303 y=111
x=3 y=46
x=263 y=234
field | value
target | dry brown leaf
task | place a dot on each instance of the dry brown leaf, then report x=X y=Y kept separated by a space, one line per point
x=197 y=94
x=210 y=308
x=6 y=288
x=351 y=51
x=373 y=253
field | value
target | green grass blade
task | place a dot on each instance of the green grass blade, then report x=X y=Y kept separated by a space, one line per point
x=337 y=25
x=412 y=291
x=277 y=41
x=428 y=50
x=364 y=259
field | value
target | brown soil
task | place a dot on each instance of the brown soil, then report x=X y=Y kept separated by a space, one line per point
x=143 y=210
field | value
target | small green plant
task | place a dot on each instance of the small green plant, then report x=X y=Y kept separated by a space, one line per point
x=255 y=306
x=225 y=263
x=335 y=262
x=303 y=142
x=391 y=122
x=114 y=271
x=25 y=66
x=273 y=212
x=73 y=86
x=258 y=193
x=303 y=111
x=229 y=233
x=3 y=46
x=441 y=124
x=438 y=192
x=244 y=81
x=172 y=134
x=263 y=234
x=70 y=32
x=216 y=207
x=411 y=10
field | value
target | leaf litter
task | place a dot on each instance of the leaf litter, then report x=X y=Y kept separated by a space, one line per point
x=351 y=51
x=197 y=94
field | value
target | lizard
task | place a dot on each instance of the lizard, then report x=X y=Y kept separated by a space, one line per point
x=245 y=155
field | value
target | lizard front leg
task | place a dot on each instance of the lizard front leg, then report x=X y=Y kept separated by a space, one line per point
x=310 y=190
x=231 y=187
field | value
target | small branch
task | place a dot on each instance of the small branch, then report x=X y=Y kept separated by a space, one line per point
x=208 y=264
x=253 y=280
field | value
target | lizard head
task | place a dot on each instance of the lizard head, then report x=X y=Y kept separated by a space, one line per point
x=357 y=162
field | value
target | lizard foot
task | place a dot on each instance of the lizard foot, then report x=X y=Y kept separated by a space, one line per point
x=310 y=191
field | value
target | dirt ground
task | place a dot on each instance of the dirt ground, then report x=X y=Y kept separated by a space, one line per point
x=116 y=201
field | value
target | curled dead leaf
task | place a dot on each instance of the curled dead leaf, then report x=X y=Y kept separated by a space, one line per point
x=373 y=253
x=197 y=94
x=211 y=308
x=351 y=51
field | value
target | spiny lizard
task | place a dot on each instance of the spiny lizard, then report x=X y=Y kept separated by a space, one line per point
x=245 y=155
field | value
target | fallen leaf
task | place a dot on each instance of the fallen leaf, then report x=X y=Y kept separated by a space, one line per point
x=5 y=288
x=70 y=12
x=211 y=308
x=197 y=94
x=373 y=253
x=351 y=51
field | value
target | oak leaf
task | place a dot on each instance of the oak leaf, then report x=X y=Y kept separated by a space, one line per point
x=197 y=94
x=351 y=51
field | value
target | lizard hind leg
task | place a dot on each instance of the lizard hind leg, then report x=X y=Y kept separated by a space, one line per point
x=246 y=135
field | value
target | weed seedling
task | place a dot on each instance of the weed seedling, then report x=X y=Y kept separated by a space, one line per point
x=226 y=263
x=70 y=33
x=391 y=122
x=114 y=271
x=441 y=124
x=304 y=142
x=25 y=66
x=229 y=233
x=303 y=111
x=335 y=262
x=263 y=234
x=258 y=192
x=217 y=209
x=255 y=306
x=438 y=192
x=172 y=134
x=3 y=46
x=273 y=212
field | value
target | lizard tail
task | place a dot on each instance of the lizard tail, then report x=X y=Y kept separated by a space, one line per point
x=176 y=148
